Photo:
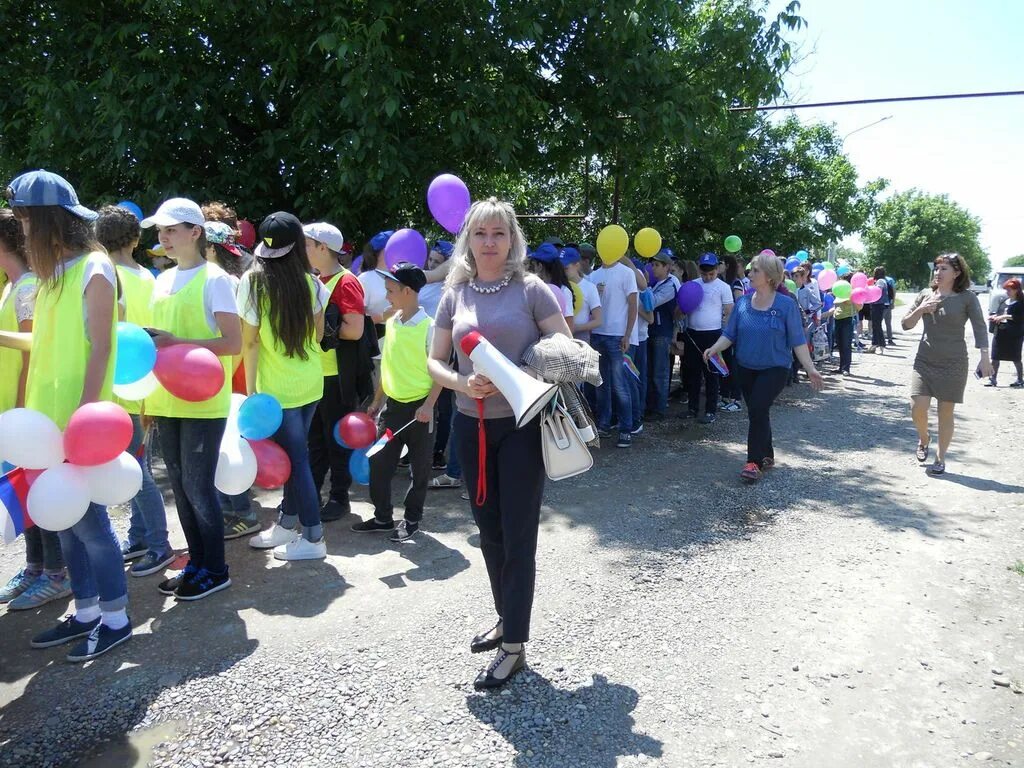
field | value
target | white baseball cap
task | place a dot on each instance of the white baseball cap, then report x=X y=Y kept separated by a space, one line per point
x=328 y=234
x=177 y=210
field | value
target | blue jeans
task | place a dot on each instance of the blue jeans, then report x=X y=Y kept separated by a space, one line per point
x=148 y=525
x=638 y=389
x=301 y=502
x=660 y=372
x=239 y=505
x=42 y=550
x=614 y=386
x=94 y=561
x=191 y=448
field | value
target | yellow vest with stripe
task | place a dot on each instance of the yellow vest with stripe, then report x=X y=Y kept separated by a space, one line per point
x=403 y=363
x=329 y=357
x=11 y=360
x=61 y=346
x=293 y=381
x=183 y=314
x=137 y=285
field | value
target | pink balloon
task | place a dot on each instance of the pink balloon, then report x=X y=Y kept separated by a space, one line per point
x=874 y=293
x=826 y=279
x=559 y=296
x=859 y=280
x=405 y=245
x=273 y=467
x=189 y=372
x=769 y=251
x=97 y=433
x=448 y=199
x=871 y=281
x=859 y=296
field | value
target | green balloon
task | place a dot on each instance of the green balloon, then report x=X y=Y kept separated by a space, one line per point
x=791 y=285
x=828 y=266
x=733 y=244
x=842 y=290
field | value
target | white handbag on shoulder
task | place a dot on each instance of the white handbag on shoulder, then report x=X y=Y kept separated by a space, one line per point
x=565 y=451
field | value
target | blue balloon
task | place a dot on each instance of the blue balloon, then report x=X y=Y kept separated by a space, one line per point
x=828 y=302
x=843 y=270
x=128 y=205
x=337 y=436
x=359 y=467
x=259 y=417
x=817 y=269
x=792 y=263
x=136 y=354
x=803 y=256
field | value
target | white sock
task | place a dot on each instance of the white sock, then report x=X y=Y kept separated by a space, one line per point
x=87 y=614
x=115 y=619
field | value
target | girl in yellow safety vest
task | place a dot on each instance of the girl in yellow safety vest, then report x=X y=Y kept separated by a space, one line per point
x=71 y=364
x=193 y=303
x=282 y=307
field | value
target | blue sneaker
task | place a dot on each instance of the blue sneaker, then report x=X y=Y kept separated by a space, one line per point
x=45 y=589
x=151 y=562
x=20 y=582
x=170 y=586
x=68 y=630
x=99 y=641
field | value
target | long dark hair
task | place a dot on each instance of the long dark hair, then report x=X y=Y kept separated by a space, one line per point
x=11 y=236
x=284 y=284
x=962 y=281
x=732 y=269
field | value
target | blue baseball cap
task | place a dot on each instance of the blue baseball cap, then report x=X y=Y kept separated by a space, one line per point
x=546 y=253
x=443 y=247
x=378 y=241
x=708 y=260
x=570 y=256
x=39 y=188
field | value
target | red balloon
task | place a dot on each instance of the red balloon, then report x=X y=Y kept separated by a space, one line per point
x=189 y=372
x=97 y=433
x=246 y=233
x=273 y=467
x=357 y=430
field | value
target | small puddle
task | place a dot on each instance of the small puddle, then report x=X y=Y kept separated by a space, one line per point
x=134 y=750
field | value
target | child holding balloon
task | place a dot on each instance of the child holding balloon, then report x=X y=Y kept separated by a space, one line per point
x=118 y=231
x=282 y=306
x=193 y=304
x=72 y=364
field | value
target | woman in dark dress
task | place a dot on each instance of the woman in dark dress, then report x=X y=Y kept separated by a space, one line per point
x=1008 y=325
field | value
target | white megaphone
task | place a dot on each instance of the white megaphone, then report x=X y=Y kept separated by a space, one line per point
x=525 y=394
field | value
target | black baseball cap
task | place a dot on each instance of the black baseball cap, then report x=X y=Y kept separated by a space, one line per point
x=407 y=274
x=278 y=234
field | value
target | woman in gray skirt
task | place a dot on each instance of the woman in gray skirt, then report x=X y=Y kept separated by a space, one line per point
x=941 y=365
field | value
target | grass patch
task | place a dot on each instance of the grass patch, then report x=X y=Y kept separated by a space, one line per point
x=1017 y=567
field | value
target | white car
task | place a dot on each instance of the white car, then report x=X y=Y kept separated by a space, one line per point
x=998 y=294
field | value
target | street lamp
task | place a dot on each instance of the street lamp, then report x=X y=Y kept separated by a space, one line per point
x=864 y=127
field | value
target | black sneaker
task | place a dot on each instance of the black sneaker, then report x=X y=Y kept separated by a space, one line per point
x=334 y=510
x=638 y=429
x=68 y=630
x=708 y=418
x=373 y=525
x=202 y=584
x=170 y=586
x=99 y=641
x=688 y=415
x=440 y=462
x=625 y=440
x=236 y=527
x=132 y=551
x=404 y=531
x=604 y=434
x=654 y=416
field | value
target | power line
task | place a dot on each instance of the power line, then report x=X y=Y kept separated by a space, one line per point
x=888 y=100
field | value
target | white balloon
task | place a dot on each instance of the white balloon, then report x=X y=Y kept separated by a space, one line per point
x=236 y=466
x=116 y=482
x=231 y=428
x=30 y=439
x=58 y=498
x=137 y=390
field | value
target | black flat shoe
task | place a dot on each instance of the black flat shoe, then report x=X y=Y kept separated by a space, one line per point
x=486 y=680
x=482 y=642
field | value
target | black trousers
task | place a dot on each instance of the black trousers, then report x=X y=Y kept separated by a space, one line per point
x=443 y=422
x=698 y=371
x=510 y=517
x=760 y=388
x=324 y=451
x=877 y=331
x=844 y=340
x=383 y=465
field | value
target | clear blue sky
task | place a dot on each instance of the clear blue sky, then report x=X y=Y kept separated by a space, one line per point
x=972 y=150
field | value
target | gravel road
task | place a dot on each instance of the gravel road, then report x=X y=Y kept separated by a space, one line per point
x=847 y=611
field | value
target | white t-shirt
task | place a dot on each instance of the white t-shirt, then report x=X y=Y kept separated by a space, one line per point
x=23 y=294
x=708 y=316
x=376 y=296
x=591 y=301
x=568 y=297
x=218 y=293
x=250 y=314
x=615 y=284
x=430 y=297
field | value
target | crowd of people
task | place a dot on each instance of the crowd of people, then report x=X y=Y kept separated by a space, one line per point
x=292 y=311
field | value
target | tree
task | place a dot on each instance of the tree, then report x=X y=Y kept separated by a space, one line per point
x=911 y=228
x=1015 y=261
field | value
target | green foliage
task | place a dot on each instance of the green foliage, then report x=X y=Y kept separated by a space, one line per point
x=1015 y=261
x=856 y=259
x=912 y=228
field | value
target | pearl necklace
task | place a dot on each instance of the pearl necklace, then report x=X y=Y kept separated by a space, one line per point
x=490 y=288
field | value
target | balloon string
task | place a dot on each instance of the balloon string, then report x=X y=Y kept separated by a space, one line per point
x=481 y=455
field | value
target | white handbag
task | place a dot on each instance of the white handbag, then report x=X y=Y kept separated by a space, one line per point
x=565 y=451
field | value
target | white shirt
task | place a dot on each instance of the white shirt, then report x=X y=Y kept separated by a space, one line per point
x=218 y=293
x=591 y=301
x=615 y=284
x=250 y=314
x=376 y=296
x=708 y=316
x=430 y=297
x=567 y=295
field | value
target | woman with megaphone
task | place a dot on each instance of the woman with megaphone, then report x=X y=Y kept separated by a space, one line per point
x=492 y=311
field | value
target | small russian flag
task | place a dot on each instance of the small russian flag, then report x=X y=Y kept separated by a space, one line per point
x=14 y=517
x=630 y=366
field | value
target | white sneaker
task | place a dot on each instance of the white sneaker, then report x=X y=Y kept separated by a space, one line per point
x=301 y=549
x=274 y=536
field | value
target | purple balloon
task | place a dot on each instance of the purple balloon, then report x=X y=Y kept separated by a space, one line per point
x=357 y=264
x=448 y=200
x=689 y=296
x=406 y=245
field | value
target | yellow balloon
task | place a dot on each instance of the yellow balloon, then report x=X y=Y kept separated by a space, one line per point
x=647 y=242
x=612 y=243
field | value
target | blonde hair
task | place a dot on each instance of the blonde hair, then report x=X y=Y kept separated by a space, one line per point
x=769 y=265
x=463 y=267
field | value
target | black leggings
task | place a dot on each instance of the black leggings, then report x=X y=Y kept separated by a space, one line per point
x=510 y=516
x=760 y=388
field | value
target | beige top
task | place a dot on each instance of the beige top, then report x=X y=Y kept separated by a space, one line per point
x=943 y=337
